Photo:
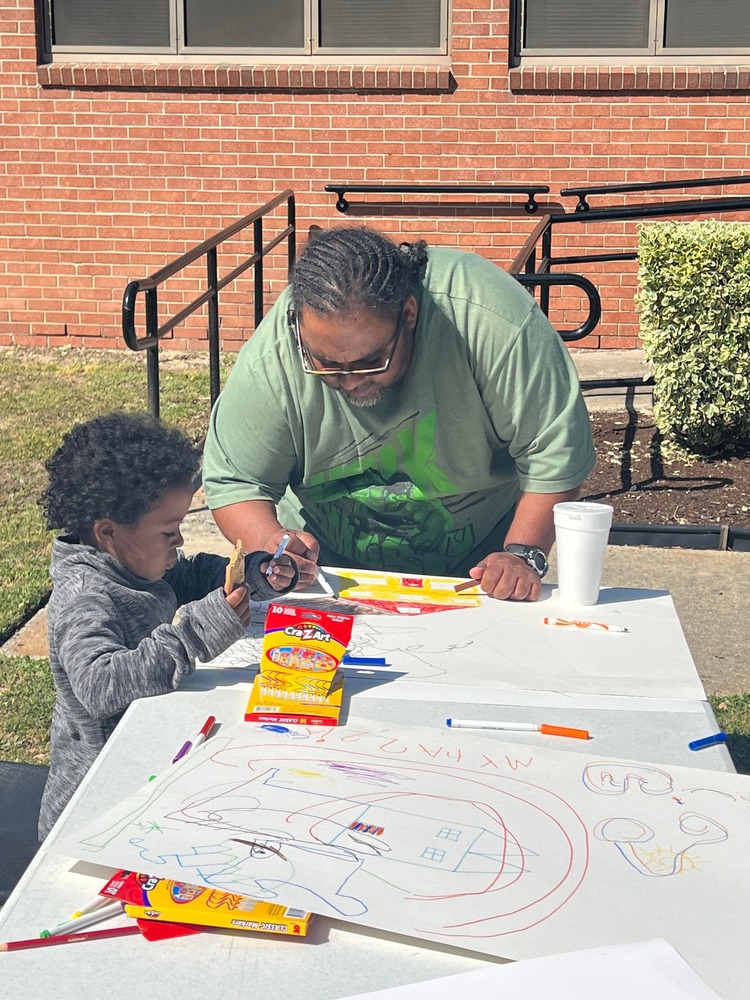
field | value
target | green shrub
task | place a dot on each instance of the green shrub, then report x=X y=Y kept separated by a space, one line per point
x=694 y=305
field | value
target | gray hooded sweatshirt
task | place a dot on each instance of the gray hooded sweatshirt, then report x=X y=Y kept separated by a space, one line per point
x=115 y=637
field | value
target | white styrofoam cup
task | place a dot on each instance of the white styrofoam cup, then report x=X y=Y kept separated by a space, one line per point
x=581 y=534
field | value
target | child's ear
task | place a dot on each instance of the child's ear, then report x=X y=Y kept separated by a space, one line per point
x=104 y=531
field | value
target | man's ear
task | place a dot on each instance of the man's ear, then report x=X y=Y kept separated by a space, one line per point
x=410 y=312
x=104 y=531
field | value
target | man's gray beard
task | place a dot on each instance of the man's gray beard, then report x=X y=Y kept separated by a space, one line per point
x=373 y=401
x=364 y=401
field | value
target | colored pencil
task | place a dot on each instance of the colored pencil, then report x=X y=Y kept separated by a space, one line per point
x=70 y=938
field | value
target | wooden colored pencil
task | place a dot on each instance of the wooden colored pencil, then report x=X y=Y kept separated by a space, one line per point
x=70 y=938
x=466 y=585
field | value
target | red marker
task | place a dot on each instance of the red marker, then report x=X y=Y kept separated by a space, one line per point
x=208 y=725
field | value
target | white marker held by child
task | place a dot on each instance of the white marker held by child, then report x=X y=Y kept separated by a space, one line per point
x=324 y=584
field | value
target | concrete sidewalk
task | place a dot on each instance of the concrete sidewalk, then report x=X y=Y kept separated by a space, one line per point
x=709 y=588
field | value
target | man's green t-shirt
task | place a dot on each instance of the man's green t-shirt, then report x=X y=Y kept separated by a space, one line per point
x=490 y=406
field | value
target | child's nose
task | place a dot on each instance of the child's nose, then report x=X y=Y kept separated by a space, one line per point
x=178 y=540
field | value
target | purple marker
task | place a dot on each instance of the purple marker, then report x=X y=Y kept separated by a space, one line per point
x=182 y=751
x=708 y=741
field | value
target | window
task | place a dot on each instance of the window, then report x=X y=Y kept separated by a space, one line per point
x=448 y=833
x=198 y=28
x=660 y=28
x=433 y=854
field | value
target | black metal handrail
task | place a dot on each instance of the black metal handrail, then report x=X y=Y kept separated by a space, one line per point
x=582 y=193
x=530 y=190
x=546 y=281
x=536 y=260
x=155 y=331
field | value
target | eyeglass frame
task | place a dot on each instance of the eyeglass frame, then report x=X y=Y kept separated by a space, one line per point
x=307 y=362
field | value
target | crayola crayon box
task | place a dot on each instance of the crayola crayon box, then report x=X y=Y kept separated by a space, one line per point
x=298 y=682
x=151 y=898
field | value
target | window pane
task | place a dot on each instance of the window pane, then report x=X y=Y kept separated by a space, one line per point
x=586 y=24
x=111 y=22
x=366 y=24
x=707 y=24
x=245 y=23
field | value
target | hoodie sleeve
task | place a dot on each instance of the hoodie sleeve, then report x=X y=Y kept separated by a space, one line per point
x=106 y=676
x=192 y=577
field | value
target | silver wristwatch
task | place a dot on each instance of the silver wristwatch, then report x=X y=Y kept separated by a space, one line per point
x=534 y=557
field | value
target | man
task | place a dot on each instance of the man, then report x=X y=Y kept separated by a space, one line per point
x=400 y=409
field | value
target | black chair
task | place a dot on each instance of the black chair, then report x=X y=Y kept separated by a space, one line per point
x=21 y=787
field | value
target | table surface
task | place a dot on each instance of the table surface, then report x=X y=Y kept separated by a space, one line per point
x=505 y=646
x=336 y=959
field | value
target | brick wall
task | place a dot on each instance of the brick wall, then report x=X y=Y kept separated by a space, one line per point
x=107 y=172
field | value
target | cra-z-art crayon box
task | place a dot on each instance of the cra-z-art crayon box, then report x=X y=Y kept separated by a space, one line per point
x=298 y=682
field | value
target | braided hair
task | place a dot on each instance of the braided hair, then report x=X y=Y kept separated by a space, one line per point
x=345 y=268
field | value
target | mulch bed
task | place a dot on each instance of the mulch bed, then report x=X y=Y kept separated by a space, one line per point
x=636 y=474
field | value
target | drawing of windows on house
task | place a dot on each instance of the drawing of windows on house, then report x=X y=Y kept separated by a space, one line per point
x=428 y=850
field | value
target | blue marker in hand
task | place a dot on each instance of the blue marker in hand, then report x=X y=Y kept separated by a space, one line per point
x=278 y=553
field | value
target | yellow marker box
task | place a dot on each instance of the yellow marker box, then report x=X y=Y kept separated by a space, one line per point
x=298 y=682
x=152 y=898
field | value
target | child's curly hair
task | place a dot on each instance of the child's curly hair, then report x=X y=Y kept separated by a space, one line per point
x=116 y=466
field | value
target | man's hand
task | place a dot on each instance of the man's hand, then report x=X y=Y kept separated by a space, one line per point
x=303 y=549
x=507 y=577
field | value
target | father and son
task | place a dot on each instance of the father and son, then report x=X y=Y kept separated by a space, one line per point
x=401 y=408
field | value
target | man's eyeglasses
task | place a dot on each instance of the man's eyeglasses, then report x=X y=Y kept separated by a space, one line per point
x=310 y=368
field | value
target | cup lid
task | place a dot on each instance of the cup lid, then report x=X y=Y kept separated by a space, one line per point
x=583 y=515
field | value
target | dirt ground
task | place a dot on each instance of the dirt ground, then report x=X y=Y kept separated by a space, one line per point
x=636 y=474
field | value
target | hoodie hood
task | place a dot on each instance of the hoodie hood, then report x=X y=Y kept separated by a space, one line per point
x=71 y=556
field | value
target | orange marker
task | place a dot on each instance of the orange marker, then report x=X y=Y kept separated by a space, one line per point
x=519 y=727
x=594 y=626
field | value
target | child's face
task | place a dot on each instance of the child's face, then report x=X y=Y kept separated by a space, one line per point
x=148 y=548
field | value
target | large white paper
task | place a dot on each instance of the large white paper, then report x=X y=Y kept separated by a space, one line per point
x=651 y=970
x=510 y=851
x=505 y=645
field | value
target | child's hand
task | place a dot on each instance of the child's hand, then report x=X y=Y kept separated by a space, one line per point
x=239 y=602
x=281 y=572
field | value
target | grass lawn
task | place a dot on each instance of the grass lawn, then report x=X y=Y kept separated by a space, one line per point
x=42 y=395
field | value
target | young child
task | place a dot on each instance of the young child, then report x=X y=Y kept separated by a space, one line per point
x=119 y=487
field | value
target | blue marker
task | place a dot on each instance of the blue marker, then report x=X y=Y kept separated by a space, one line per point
x=275 y=729
x=279 y=552
x=364 y=661
x=708 y=741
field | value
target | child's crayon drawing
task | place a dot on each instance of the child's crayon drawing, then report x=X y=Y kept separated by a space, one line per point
x=449 y=837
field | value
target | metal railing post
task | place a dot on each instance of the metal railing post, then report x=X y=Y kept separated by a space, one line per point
x=212 y=279
x=258 y=269
x=152 y=355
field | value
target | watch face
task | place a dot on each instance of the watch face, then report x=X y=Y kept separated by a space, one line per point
x=534 y=557
x=540 y=562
